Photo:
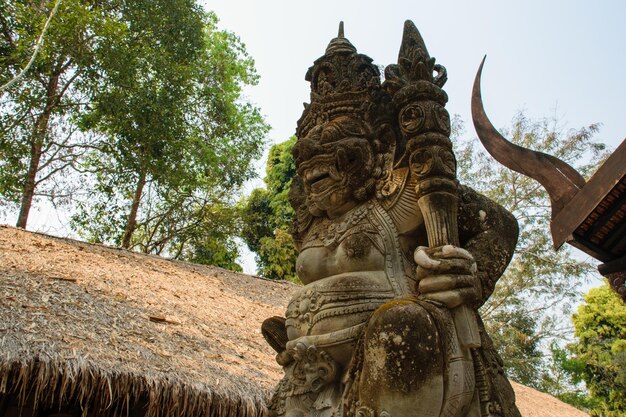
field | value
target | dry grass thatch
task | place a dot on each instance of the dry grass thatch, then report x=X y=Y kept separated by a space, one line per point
x=532 y=403
x=105 y=328
x=108 y=327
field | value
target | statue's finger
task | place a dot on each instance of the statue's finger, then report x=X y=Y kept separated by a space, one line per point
x=452 y=298
x=446 y=251
x=449 y=266
x=445 y=283
x=423 y=259
x=450 y=251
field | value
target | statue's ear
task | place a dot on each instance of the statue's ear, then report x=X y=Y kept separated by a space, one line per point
x=275 y=333
x=302 y=219
x=296 y=194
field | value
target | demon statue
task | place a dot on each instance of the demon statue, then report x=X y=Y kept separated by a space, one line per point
x=395 y=255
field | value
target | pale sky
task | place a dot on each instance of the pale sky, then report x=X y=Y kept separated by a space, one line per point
x=541 y=55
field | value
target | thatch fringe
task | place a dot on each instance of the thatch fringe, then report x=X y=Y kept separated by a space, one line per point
x=75 y=332
x=49 y=383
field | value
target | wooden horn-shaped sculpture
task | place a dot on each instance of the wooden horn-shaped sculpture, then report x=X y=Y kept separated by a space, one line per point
x=560 y=180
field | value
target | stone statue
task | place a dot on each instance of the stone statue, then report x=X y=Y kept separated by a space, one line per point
x=395 y=255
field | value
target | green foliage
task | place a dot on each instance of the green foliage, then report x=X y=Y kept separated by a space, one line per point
x=281 y=168
x=600 y=351
x=267 y=217
x=144 y=99
x=39 y=141
x=533 y=297
x=278 y=255
x=204 y=233
x=177 y=138
x=258 y=219
x=561 y=378
x=517 y=343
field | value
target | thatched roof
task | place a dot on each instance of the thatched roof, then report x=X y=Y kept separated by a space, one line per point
x=105 y=327
x=94 y=323
x=532 y=403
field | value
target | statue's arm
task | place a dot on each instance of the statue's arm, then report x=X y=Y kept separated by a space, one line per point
x=489 y=232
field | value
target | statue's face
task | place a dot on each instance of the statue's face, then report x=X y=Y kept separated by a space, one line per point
x=335 y=161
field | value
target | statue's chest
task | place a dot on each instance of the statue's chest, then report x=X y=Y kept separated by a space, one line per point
x=336 y=302
x=355 y=253
x=350 y=266
x=346 y=245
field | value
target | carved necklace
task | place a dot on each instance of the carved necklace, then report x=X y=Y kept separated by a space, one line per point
x=329 y=233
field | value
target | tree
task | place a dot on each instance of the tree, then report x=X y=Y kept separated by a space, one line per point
x=278 y=254
x=17 y=78
x=199 y=230
x=174 y=124
x=535 y=294
x=267 y=216
x=600 y=350
x=563 y=379
x=38 y=130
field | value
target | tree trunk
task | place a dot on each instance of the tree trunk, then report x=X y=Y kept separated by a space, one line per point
x=36 y=145
x=131 y=224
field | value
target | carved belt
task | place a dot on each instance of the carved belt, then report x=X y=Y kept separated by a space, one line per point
x=351 y=296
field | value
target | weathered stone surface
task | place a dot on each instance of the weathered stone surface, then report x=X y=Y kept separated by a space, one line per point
x=395 y=254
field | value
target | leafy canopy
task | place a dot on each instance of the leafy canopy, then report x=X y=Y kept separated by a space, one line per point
x=531 y=301
x=144 y=100
x=267 y=216
x=600 y=350
x=178 y=139
x=39 y=137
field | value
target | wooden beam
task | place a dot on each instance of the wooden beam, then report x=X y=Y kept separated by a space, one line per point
x=587 y=199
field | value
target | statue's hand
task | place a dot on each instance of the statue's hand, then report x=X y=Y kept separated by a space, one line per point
x=294 y=349
x=447 y=275
x=299 y=346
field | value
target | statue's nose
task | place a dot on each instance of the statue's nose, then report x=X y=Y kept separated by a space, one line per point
x=304 y=150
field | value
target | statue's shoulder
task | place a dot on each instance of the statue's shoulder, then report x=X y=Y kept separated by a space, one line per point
x=477 y=212
x=393 y=188
x=399 y=200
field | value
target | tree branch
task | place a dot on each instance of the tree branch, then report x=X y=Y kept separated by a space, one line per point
x=52 y=172
x=38 y=46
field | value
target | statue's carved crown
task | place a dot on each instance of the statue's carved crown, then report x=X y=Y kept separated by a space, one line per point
x=346 y=83
x=343 y=82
